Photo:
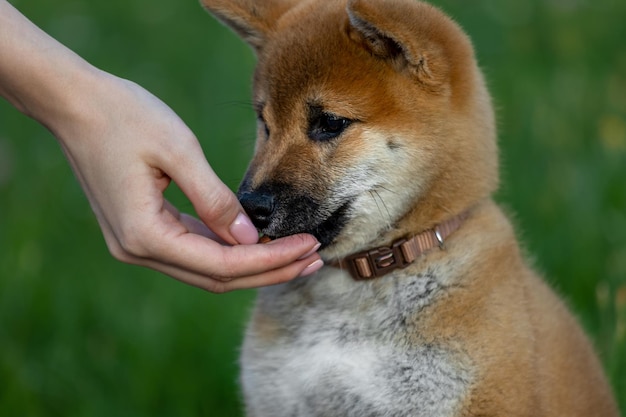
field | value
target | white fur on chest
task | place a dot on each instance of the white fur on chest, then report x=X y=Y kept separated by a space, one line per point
x=344 y=350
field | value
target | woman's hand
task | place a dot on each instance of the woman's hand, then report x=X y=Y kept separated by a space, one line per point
x=125 y=150
x=125 y=147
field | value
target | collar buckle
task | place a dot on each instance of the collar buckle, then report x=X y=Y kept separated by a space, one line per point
x=377 y=262
x=386 y=259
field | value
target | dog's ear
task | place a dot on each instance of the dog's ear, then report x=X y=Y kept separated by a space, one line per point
x=413 y=36
x=252 y=20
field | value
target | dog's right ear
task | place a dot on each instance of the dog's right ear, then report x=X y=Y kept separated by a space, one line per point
x=413 y=36
x=253 y=20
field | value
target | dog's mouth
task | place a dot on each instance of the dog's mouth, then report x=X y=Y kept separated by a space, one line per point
x=278 y=211
x=328 y=230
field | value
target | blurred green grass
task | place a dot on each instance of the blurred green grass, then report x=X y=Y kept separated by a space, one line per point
x=84 y=335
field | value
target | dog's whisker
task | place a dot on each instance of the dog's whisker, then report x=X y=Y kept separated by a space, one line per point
x=389 y=219
x=386 y=218
x=247 y=104
x=373 y=194
x=386 y=189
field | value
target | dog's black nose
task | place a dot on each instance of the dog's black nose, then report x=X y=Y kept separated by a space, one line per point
x=259 y=206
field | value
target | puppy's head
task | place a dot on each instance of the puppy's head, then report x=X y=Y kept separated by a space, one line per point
x=373 y=119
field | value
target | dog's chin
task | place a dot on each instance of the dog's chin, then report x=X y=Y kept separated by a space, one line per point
x=325 y=231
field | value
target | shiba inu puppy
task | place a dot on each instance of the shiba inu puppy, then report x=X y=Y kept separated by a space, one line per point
x=376 y=134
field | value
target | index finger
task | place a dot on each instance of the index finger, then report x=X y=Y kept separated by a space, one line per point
x=200 y=255
x=298 y=268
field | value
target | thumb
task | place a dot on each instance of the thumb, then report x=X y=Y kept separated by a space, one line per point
x=221 y=212
x=216 y=205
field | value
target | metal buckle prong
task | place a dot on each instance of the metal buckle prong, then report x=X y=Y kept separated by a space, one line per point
x=439 y=237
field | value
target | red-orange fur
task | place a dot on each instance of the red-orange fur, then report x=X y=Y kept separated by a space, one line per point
x=532 y=357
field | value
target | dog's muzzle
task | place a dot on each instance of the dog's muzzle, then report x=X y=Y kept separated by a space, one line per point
x=259 y=206
x=279 y=210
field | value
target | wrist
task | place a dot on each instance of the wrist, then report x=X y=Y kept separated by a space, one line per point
x=39 y=76
x=65 y=99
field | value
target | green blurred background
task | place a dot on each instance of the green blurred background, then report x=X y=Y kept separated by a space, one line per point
x=84 y=335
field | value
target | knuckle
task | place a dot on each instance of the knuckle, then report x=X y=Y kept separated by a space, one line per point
x=226 y=273
x=118 y=252
x=217 y=288
x=231 y=260
x=217 y=209
x=133 y=244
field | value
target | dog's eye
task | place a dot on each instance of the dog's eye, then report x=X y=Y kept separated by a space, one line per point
x=327 y=126
x=266 y=129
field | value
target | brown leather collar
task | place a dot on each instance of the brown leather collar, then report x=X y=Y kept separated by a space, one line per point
x=375 y=263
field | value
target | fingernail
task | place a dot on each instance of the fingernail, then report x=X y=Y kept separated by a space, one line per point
x=311 y=252
x=312 y=268
x=244 y=231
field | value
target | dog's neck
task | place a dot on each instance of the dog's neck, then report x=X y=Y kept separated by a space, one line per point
x=377 y=262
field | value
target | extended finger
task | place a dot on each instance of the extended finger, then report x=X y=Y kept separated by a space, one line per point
x=311 y=265
x=302 y=267
x=172 y=244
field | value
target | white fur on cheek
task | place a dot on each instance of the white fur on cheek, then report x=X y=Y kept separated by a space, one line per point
x=380 y=186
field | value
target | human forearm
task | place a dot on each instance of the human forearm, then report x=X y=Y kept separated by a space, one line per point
x=38 y=75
